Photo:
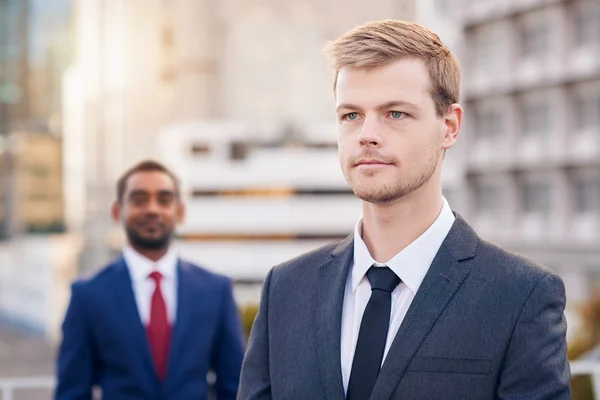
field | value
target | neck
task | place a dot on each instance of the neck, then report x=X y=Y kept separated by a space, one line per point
x=152 y=254
x=387 y=229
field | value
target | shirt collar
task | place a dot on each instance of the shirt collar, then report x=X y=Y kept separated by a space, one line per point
x=412 y=263
x=140 y=266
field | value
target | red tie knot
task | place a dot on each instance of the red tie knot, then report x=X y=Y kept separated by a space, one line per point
x=156 y=276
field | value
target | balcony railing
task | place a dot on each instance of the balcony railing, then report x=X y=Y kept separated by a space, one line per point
x=8 y=386
x=588 y=368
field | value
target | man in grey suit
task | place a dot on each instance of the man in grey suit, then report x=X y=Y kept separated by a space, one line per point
x=412 y=305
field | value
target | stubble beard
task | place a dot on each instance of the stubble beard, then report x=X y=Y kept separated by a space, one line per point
x=389 y=192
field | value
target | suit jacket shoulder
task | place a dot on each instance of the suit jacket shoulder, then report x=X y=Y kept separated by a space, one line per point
x=506 y=267
x=308 y=262
x=491 y=266
x=202 y=278
x=201 y=271
x=98 y=279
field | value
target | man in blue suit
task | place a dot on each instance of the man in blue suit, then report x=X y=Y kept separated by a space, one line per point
x=150 y=325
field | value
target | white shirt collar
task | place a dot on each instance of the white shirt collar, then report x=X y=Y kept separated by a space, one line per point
x=140 y=266
x=412 y=263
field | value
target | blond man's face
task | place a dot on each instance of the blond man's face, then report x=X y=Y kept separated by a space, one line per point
x=390 y=139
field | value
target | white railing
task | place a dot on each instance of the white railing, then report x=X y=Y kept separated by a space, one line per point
x=8 y=386
x=588 y=368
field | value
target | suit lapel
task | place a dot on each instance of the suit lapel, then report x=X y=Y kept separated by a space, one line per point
x=133 y=328
x=183 y=314
x=328 y=317
x=193 y=295
x=443 y=279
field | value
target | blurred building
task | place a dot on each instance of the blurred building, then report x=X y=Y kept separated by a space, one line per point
x=142 y=68
x=34 y=50
x=35 y=261
x=532 y=132
x=38 y=183
x=257 y=195
x=444 y=18
x=14 y=57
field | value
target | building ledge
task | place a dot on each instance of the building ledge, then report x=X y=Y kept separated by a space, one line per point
x=486 y=12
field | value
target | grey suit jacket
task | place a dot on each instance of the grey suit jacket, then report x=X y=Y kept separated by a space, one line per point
x=485 y=324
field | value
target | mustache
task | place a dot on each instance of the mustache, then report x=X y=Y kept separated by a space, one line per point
x=150 y=219
x=373 y=155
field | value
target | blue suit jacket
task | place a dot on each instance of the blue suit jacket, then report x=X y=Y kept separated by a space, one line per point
x=104 y=341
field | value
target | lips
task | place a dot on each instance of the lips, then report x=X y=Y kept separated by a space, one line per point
x=372 y=162
x=151 y=225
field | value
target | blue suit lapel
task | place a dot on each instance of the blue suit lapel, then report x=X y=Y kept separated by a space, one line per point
x=194 y=295
x=133 y=328
x=185 y=295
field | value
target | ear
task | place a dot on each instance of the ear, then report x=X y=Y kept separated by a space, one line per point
x=116 y=211
x=181 y=211
x=452 y=124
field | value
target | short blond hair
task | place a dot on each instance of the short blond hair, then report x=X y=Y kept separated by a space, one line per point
x=378 y=43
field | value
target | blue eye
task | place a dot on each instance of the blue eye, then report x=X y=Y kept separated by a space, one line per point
x=397 y=114
x=351 y=116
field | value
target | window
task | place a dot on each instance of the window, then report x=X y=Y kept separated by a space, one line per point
x=536 y=198
x=596 y=110
x=38 y=171
x=536 y=118
x=238 y=151
x=587 y=111
x=597 y=22
x=38 y=197
x=486 y=51
x=488 y=198
x=489 y=124
x=451 y=195
x=587 y=195
x=582 y=25
x=535 y=40
x=200 y=148
x=586 y=24
x=580 y=113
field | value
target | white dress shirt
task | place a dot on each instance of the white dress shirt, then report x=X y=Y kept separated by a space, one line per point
x=411 y=266
x=140 y=269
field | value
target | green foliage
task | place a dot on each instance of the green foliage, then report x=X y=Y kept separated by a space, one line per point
x=586 y=339
x=248 y=314
x=54 y=227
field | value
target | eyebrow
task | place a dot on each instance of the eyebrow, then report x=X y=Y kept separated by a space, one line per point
x=389 y=104
x=136 y=192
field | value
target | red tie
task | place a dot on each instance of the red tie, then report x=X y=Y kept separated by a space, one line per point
x=159 y=330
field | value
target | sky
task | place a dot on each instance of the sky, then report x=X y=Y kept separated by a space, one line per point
x=44 y=14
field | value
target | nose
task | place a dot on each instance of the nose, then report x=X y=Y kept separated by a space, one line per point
x=153 y=207
x=369 y=133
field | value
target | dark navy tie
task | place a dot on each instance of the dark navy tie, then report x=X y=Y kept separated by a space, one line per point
x=373 y=333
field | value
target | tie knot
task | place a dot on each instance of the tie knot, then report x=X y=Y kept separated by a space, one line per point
x=156 y=276
x=382 y=278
